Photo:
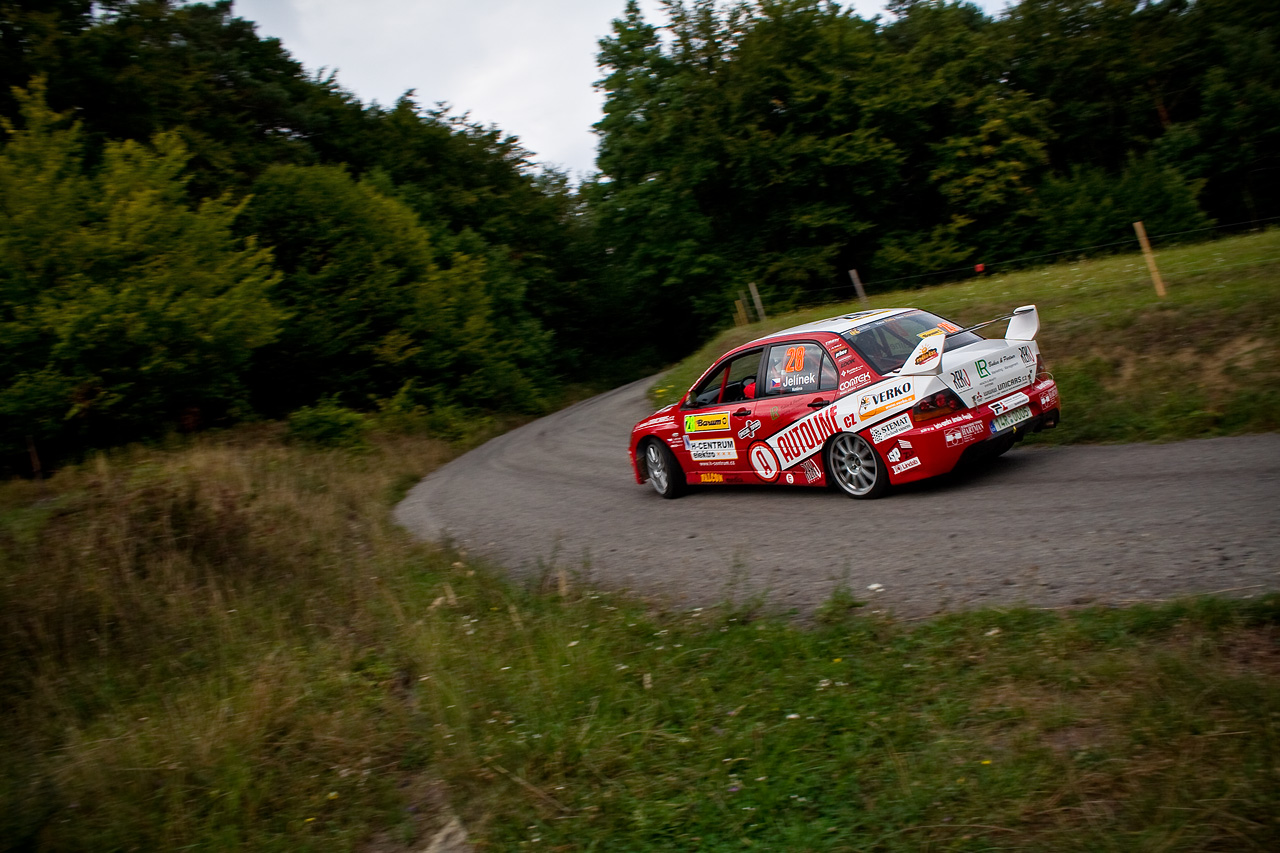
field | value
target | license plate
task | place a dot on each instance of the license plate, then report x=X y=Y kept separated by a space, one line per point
x=1008 y=419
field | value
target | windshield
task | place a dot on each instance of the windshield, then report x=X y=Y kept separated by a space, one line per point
x=885 y=344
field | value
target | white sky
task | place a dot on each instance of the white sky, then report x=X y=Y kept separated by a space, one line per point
x=526 y=66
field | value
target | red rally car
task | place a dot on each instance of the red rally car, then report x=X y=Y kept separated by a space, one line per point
x=858 y=402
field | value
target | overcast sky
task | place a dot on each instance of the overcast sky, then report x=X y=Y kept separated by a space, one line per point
x=525 y=65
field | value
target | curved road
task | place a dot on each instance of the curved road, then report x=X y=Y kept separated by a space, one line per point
x=1040 y=526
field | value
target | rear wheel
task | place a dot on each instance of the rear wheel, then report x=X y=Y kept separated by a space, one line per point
x=854 y=466
x=664 y=471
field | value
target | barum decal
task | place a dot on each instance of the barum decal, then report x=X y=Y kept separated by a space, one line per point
x=704 y=449
x=888 y=397
x=805 y=437
x=709 y=422
x=883 y=432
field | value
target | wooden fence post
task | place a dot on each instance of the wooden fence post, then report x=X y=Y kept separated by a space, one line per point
x=755 y=294
x=739 y=313
x=857 y=285
x=1151 y=258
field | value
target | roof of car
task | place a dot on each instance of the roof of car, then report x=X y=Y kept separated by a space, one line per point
x=842 y=323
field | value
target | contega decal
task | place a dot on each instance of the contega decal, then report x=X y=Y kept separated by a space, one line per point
x=881 y=433
x=888 y=397
x=855 y=382
x=704 y=449
x=711 y=478
x=709 y=422
x=913 y=462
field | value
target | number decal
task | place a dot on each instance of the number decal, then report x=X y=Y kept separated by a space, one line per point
x=795 y=360
x=764 y=461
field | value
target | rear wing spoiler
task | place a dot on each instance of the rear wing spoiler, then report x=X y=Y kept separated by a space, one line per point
x=1024 y=322
x=926 y=358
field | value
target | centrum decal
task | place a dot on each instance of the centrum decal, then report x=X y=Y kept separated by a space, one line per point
x=883 y=432
x=709 y=422
x=704 y=449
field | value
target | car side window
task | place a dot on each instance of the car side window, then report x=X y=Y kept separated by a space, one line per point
x=798 y=367
x=730 y=382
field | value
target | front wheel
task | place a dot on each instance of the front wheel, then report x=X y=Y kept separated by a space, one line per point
x=854 y=466
x=663 y=469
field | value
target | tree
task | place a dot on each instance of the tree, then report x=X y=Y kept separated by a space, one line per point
x=123 y=309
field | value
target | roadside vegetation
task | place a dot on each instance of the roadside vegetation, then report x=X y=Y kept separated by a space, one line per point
x=227 y=644
x=1203 y=361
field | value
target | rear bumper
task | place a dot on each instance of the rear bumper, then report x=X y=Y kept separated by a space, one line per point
x=937 y=447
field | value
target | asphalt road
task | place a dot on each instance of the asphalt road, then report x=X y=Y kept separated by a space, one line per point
x=1044 y=527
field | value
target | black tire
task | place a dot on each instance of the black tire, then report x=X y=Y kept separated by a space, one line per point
x=854 y=467
x=662 y=469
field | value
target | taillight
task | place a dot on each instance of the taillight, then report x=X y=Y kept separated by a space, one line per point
x=1042 y=372
x=936 y=405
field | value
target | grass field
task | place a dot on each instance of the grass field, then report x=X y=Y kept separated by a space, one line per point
x=1203 y=361
x=227 y=645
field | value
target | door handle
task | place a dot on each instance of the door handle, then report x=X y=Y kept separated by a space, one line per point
x=819 y=403
x=742 y=413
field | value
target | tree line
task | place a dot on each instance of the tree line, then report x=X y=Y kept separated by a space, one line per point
x=195 y=231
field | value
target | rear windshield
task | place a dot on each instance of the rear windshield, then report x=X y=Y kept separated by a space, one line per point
x=885 y=344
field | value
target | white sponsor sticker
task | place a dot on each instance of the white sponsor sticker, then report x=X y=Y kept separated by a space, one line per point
x=1008 y=404
x=913 y=462
x=811 y=470
x=895 y=455
x=965 y=434
x=881 y=433
x=705 y=449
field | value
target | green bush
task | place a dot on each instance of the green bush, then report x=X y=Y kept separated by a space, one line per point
x=329 y=424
